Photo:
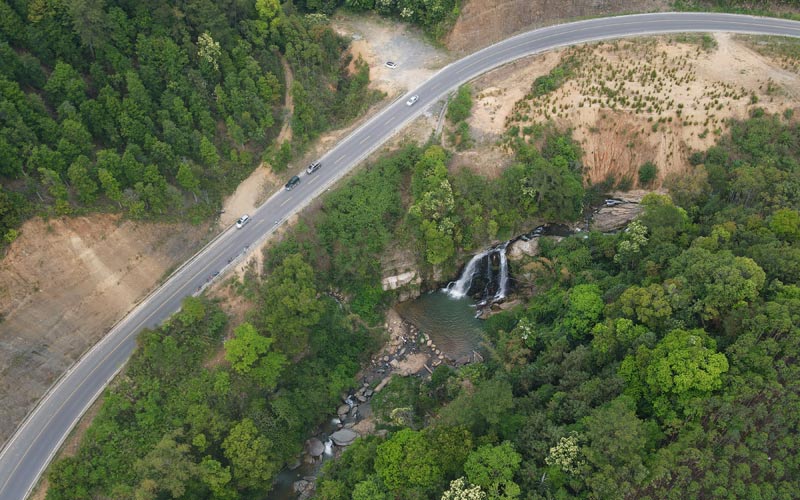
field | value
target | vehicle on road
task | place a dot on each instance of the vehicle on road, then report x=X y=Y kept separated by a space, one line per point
x=293 y=182
x=313 y=167
x=244 y=219
x=391 y=64
x=411 y=100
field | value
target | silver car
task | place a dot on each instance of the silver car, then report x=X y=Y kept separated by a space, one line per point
x=411 y=100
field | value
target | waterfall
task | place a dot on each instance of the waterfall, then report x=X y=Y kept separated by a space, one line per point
x=329 y=447
x=503 y=286
x=459 y=289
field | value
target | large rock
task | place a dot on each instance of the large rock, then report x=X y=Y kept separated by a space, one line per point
x=522 y=248
x=315 y=447
x=344 y=437
x=402 y=279
x=343 y=410
x=614 y=218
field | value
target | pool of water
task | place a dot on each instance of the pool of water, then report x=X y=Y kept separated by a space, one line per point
x=449 y=322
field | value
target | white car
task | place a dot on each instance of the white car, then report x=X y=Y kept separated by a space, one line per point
x=391 y=64
x=244 y=219
x=313 y=167
x=411 y=100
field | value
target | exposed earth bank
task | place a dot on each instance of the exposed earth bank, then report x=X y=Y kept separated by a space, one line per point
x=63 y=284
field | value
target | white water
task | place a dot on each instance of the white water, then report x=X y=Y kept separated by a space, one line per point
x=329 y=447
x=503 y=286
x=458 y=289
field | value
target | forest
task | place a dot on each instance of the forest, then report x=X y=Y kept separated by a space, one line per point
x=157 y=109
x=657 y=362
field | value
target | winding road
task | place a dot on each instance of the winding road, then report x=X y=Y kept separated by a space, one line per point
x=28 y=452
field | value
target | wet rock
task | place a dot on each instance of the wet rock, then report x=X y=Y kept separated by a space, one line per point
x=342 y=410
x=314 y=447
x=300 y=486
x=361 y=398
x=344 y=437
x=368 y=393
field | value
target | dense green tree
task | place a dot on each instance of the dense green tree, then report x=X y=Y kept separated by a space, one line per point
x=493 y=469
x=249 y=353
x=583 y=311
x=408 y=466
x=615 y=449
x=677 y=374
x=291 y=306
x=166 y=468
x=250 y=455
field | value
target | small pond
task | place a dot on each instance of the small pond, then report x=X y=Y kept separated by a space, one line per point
x=449 y=322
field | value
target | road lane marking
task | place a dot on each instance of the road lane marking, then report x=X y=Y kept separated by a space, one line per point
x=365 y=139
x=313 y=179
x=340 y=158
x=287 y=200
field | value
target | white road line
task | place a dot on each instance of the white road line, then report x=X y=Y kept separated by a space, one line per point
x=365 y=139
x=313 y=179
x=286 y=201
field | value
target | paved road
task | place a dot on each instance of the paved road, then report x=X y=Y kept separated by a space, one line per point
x=36 y=441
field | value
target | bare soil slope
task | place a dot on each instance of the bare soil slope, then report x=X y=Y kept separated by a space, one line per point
x=631 y=101
x=63 y=284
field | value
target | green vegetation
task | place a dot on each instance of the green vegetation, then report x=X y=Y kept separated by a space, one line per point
x=647 y=173
x=154 y=110
x=175 y=426
x=660 y=359
x=655 y=363
x=458 y=110
x=555 y=78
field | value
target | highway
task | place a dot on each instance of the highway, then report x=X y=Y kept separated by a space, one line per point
x=28 y=452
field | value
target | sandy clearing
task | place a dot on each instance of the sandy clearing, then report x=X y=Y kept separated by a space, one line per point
x=378 y=40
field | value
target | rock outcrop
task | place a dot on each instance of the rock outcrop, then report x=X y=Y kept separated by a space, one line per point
x=615 y=217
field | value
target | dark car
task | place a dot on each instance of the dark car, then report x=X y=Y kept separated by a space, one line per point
x=294 y=181
x=313 y=167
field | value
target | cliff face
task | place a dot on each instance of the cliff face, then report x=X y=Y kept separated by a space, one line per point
x=482 y=23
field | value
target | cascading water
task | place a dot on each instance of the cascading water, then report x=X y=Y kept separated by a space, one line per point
x=458 y=289
x=329 y=447
x=502 y=288
x=461 y=287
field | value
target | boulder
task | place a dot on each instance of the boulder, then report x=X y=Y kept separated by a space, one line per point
x=344 y=437
x=314 y=447
x=616 y=217
x=522 y=248
x=342 y=411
